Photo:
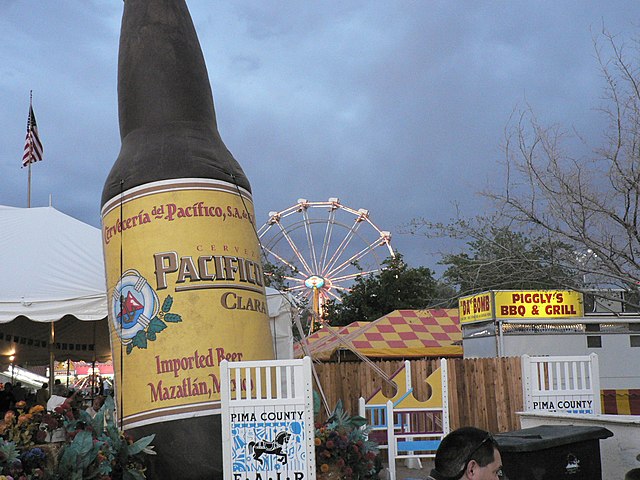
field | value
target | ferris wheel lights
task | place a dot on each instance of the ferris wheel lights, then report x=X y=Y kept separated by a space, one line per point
x=274 y=217
x=363 y=214
x=314 y=281
x=385 y=236
x=303 y=204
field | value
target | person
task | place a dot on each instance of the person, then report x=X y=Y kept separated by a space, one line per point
x=58 y=397
x=59 y=389
x=19 y=392
x=467 y=453
x=95 y=406
x=7 y=400
x=42 y=395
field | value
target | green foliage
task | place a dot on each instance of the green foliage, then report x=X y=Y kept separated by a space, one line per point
x=8 y=452
x=166 y=305
x=498 y=258
x=341 y=419
x=156 y=325
x=397 y=286
x=94 y=448
x=77 y=457
x=275 y=276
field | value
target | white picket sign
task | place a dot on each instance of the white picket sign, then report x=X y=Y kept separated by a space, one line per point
x=267 y=420
x=569 y=384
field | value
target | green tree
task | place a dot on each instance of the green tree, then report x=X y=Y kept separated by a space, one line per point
x=277 y=276
x=498 y=258
x=396 y=286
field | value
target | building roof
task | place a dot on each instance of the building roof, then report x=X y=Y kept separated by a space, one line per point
x=399 y=334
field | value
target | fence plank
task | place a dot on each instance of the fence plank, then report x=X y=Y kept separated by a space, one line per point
x=502 y=392
x=485 y=393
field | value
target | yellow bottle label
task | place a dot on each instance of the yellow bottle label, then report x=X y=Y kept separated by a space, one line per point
x=186 y=291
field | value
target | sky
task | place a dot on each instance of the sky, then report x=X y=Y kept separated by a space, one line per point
x=397 y=107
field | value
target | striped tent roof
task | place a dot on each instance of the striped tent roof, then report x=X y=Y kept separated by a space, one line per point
x=401 y=333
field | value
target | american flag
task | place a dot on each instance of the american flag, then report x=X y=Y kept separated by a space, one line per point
x=32 y=144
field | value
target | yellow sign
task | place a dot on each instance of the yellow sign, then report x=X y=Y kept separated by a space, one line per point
x=186 y=291
x=475 y=308
x=531 y=304
x=526 y=304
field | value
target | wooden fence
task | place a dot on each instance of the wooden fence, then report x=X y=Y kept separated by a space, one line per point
x=483 y=392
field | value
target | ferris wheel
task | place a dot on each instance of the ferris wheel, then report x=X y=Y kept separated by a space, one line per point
x=324 y=247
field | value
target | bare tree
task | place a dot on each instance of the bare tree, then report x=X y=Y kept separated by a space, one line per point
x=580 y=212
x=589 y=203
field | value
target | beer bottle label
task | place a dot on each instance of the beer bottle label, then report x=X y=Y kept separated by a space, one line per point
x=186 y=291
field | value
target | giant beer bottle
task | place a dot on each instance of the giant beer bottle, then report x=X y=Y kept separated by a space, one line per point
x=183 y=267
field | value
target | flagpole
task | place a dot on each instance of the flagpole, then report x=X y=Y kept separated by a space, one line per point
x=29 y=175
x=29 y=187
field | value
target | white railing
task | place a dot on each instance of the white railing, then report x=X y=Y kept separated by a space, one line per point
x=569 y=384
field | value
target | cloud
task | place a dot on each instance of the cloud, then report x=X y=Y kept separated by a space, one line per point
x=397 y=107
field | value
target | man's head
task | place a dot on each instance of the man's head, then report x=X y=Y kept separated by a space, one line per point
x=468 y=453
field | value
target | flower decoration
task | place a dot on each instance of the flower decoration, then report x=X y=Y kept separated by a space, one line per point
x=23 y=426
x=342 y=446
x=92 y=447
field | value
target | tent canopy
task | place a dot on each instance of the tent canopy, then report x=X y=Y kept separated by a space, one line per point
x=281 y=308
x=399 y=334
x=52 y=271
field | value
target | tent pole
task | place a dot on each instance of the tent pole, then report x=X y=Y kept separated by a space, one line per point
x=93 y=366
x=52 y=339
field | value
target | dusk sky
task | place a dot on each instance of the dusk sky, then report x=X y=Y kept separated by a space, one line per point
x=398 y=107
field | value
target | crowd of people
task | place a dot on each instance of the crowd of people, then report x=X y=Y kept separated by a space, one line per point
x=11 y=394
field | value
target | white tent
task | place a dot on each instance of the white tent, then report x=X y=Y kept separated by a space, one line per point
x=52 y=270
x=281 y=310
